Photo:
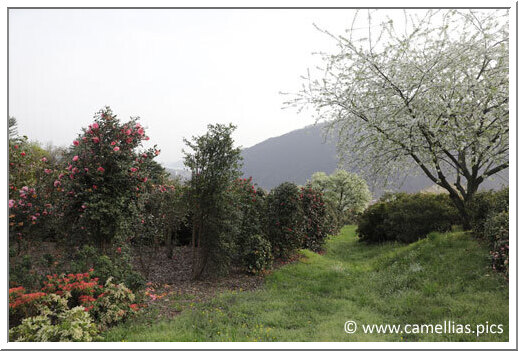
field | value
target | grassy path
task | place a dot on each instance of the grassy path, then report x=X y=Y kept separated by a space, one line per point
x=444 y=277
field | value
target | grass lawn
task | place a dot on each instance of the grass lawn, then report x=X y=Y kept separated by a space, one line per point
x=443 y=277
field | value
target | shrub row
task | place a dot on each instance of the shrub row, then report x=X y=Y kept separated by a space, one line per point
x=277 y=224
x=406 y=217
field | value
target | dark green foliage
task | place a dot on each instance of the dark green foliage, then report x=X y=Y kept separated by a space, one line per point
x=107 y=170
x=285 y=219
x=21 y=272
x=214 y=164
x=318 y=224
x=116 y=265
x=256 y=254
x=489 y=215
x=253 y=248
x=406 y=217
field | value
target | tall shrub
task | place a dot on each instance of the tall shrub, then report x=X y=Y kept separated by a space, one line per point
x=318 y=222
x=285 y=219
x=103 y=179
x=214 y=164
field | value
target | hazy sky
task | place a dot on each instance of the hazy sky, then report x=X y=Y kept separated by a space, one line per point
x=177 y=69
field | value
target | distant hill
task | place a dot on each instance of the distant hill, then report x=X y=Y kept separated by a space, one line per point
x=295 y=156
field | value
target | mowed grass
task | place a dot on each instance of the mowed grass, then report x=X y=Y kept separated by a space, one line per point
x=444 y=277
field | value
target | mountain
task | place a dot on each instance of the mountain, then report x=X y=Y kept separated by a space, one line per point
x=295 y=156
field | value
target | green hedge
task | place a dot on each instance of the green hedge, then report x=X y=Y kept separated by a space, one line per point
x=406 y=217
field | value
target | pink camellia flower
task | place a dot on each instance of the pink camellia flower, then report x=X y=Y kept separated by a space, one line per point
x=95 y=126
x=69 y=167
x=83 y=207
x=75 y=142
x=145 y=179
x=113 y=143
x=57 y=183
x=133 y=169
x=71 y=176
x=61 y=176
x=11 y=203
x=25 y=188
x=84 y=138
x=119 y=250
x=100 y=169
x=128 y=131
x=94 y=186
x=146 y=138
x=75 y=170
x=43 y=159
x=144 y=155
x=157 y=152
x=129 y=140
x=34 y=218
x=75 y=158
x=140 y=131
x=47 y=171
x=138 y=125
x=16 y=147
x=116 y=148
x=22 y=153
x=95 y=139
x=86 y=169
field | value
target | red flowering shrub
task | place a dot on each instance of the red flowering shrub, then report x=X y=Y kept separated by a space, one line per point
x=285 y=219
x=80 y=286
x=22 y=304
x=317 y=224
x=106 y=304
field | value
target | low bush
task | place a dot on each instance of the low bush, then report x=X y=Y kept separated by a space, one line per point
x=489 y=216
x=117 y=265
x=54 y=311
x=257 y=254
x=407 y=217
x=55 y=321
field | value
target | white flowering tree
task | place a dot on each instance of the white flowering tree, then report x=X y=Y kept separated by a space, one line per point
x=431 y=89
x=346 y=191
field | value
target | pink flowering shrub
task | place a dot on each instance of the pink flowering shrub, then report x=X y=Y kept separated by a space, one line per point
x=30 y=193
x=104 y=174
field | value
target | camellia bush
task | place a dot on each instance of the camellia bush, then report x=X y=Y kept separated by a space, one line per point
x=104 y=176
x=285 y=218
x=318 y=224
x=254 y=251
